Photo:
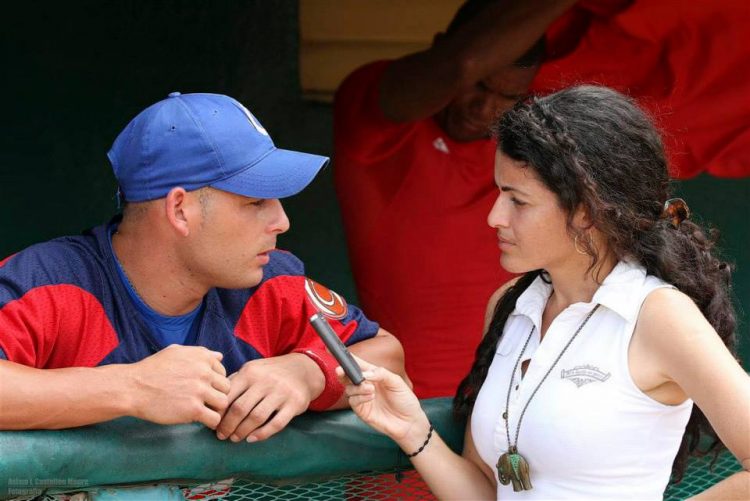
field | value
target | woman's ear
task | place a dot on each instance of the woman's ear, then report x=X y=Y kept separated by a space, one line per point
x=582 y=219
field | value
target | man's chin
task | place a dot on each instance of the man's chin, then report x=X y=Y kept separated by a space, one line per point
x=245 y=282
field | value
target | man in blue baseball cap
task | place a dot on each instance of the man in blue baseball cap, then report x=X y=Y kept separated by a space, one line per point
x=181 y=309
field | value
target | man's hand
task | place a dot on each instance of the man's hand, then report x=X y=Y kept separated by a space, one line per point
x=267 y=393
x=180 y=384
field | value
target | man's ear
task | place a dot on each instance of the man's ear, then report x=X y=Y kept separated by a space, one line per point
x=177 y=210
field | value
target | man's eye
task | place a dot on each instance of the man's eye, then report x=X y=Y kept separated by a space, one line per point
x=258 y=203
x=517 y=201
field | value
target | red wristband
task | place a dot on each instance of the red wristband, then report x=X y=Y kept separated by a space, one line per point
x=333 y=388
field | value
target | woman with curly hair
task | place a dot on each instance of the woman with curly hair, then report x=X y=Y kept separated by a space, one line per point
x=613 y=351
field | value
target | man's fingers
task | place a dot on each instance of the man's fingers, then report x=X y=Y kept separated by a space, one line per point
x=216 y=400
x=273 y=426
x=208 y=417
x=257 y=417
x=237 y=411
x=221 y=383
x=218 y=367
x=237 y=387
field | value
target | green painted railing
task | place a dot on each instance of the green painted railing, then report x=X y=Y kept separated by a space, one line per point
x=329 y=455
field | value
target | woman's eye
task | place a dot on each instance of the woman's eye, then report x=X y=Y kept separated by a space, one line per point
x=517 y=201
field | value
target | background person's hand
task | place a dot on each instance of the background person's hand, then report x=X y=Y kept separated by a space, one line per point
x=180 y=384
x=267 y=393
x=384 y=401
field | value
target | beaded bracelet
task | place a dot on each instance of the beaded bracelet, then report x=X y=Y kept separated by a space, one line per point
x=429 y=436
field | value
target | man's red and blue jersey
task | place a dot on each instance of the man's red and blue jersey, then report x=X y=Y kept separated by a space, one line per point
x=63 y=304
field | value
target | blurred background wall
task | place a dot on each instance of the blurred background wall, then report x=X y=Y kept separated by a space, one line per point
x=75 y=73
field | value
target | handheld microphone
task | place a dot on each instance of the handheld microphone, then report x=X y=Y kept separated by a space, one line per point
x=337 y=348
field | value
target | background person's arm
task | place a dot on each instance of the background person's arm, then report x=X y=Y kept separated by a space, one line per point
x=421 y=84
x=180 y=384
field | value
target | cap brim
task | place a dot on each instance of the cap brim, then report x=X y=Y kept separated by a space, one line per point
x=281 y=173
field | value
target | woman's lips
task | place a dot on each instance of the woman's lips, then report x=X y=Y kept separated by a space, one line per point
x=503 y=243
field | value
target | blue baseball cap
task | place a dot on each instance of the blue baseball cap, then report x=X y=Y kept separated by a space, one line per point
x=197 y=140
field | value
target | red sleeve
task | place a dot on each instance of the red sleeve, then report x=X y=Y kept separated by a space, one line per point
x=687 y=63
x=5 y=260
x=56 y=326
x=275 y=322
x=361 y=132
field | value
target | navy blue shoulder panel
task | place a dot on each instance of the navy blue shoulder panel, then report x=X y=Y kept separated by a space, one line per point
x=66 y=260
x=283 y=263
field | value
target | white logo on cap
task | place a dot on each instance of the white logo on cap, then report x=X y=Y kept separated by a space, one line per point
x=253 y=120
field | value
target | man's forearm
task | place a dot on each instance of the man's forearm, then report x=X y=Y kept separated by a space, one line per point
x=61 y=398
x=500 y=34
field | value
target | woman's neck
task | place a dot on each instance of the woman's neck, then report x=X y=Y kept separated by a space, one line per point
x=576 y=283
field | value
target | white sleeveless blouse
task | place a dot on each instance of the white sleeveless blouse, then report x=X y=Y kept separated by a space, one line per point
x=589 y=432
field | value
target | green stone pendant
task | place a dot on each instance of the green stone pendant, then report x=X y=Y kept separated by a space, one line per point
x=512 y=467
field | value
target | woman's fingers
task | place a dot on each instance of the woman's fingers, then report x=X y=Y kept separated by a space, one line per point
x=374 y=374
x=365 y=388
x=357 y=400
x=385 y=378
x=363 y=364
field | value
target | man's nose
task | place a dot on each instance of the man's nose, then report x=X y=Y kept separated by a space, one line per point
x=280 y=221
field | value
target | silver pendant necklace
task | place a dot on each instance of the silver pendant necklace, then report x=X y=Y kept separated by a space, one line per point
x=512 y=467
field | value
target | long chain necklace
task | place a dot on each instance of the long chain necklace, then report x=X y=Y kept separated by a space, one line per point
x=512 y=466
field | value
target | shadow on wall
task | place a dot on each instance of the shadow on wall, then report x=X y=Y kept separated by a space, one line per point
x=72 y=85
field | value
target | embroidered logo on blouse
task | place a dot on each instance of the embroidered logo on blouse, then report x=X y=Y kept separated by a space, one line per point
x=584 y=374
x=325 y=300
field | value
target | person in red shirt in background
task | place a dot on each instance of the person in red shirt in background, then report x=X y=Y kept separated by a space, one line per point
x=413 y=158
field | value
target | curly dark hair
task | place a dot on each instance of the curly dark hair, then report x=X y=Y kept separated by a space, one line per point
x=596 y=149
